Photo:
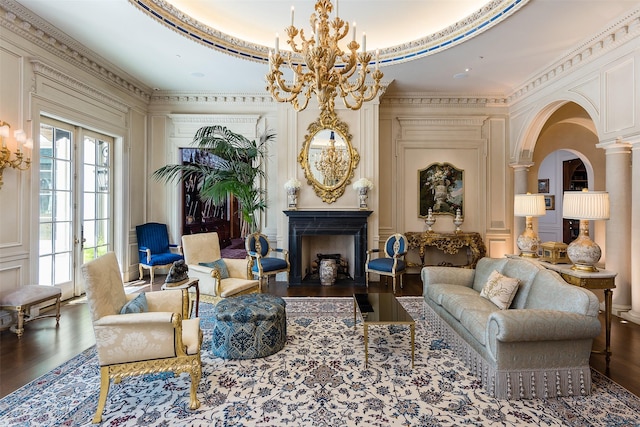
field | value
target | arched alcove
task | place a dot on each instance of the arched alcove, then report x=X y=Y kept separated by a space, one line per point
x=567 y=133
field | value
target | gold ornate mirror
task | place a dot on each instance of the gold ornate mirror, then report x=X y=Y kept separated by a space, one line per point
x=328 y=158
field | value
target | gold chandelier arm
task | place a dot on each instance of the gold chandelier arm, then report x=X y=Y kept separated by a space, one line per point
x=327 y=66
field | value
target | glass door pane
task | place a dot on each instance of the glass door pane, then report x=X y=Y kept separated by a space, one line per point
x=96 y=217
x=56 y=208
x=75 y=214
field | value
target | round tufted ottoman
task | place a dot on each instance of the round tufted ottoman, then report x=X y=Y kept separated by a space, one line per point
x=249 y=326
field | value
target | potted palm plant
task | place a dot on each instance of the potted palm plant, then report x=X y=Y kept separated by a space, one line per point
x=236 y=172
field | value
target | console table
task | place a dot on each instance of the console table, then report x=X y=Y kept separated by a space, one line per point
x=449 y=243
x=601 y=279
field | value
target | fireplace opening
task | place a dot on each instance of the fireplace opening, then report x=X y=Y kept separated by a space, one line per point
x=341 y=262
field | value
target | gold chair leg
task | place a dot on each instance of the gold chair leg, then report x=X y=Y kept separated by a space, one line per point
x=104 y=390
x=140 y=270
x=196 y=373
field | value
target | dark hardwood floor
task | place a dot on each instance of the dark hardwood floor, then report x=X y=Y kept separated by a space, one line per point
x=43 y=347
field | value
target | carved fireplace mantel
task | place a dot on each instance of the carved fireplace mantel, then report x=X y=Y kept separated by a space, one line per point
x=327 y=223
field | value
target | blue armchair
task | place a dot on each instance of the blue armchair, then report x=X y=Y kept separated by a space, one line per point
x=154 y=249
x=266 y=261
x=393 y=263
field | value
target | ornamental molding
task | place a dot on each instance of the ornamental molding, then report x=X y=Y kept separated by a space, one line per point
x=620 y=32
x=63 y=78
x=202 y=98
x=443 y=121
x=29 y=26
x=188 y=26
x=446 y=100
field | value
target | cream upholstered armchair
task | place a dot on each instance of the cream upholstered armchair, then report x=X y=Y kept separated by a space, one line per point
x=218 y=277
x=156 y=336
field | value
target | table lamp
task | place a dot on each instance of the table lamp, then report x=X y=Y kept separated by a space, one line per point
x=586 y=206
x=529 y=205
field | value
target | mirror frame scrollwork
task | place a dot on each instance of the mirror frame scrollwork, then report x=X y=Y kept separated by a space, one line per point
x=328 y=193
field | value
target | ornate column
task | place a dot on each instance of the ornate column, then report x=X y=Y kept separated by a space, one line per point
x=618 y=227
x=520 y=183
x=634 y=314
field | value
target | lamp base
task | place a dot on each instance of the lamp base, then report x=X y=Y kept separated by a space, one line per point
x=528 y=243
x=583 y=252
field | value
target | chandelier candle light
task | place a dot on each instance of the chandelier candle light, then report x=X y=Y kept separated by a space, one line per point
x=529 y=205
x=586 y=206
x=292 y=186
x=362 y=186
x=333 y=163
x=8 y=158
x=321 y=67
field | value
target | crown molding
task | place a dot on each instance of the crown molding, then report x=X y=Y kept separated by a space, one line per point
x=443 y=100
x=54 y=74
x=29 y=26
x=190 y=27
x=168 y=97
x=618 y=33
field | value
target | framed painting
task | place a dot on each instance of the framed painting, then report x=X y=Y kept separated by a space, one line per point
x=543 y=185
x=550 y=203
x=441 y=189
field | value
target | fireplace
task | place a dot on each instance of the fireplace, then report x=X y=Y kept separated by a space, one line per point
x=327 y=223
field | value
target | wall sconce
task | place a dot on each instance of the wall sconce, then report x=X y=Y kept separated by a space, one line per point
x=15 y=160
x=586 y=206
x=529 y=205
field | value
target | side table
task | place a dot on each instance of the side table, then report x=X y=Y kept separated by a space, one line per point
x=186 y=285
x=601 y=279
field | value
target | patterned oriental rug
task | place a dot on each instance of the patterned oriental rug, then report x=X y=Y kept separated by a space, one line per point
x=318 y=379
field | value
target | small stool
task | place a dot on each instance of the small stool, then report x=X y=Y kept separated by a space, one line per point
x=249 y=326
x=21 y=299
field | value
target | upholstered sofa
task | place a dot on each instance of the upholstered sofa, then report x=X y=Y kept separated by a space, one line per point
x=538 y=347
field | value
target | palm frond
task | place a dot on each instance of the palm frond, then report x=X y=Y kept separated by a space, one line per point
x=237 y=171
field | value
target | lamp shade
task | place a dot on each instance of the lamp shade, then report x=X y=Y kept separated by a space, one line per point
x=529 y=205
x=588 y=205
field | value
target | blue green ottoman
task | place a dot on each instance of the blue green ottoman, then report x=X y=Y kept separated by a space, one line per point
x=249 y=326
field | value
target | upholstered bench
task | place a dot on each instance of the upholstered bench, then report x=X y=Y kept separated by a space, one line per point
x=249 y=326
x=21 y=299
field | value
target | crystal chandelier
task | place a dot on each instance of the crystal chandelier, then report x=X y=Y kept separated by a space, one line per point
x=327 y=69
x=332 y=163
x=15 y=160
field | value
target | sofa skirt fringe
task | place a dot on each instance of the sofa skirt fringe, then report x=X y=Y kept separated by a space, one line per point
x=512 y=384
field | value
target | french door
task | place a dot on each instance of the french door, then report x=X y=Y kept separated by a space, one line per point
x=76 y=206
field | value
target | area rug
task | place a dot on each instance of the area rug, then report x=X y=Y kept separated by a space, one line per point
x=318 y=379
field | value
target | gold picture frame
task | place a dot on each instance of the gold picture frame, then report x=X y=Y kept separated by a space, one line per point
x=543 y=185
x=441 y=189
x=550 y=202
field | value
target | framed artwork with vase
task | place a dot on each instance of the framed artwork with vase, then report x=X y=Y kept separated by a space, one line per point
x=441 y=189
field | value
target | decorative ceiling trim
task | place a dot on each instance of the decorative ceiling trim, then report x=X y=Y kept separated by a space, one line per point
x=623 y=30
x=485 y=18
x=19 y=20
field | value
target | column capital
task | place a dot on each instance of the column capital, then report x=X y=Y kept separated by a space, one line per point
x=618 y=145
x=521 y=166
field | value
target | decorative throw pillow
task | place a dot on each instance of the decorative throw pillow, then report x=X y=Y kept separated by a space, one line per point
x=220 y=265
x=136 y=305
x=500 y=289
